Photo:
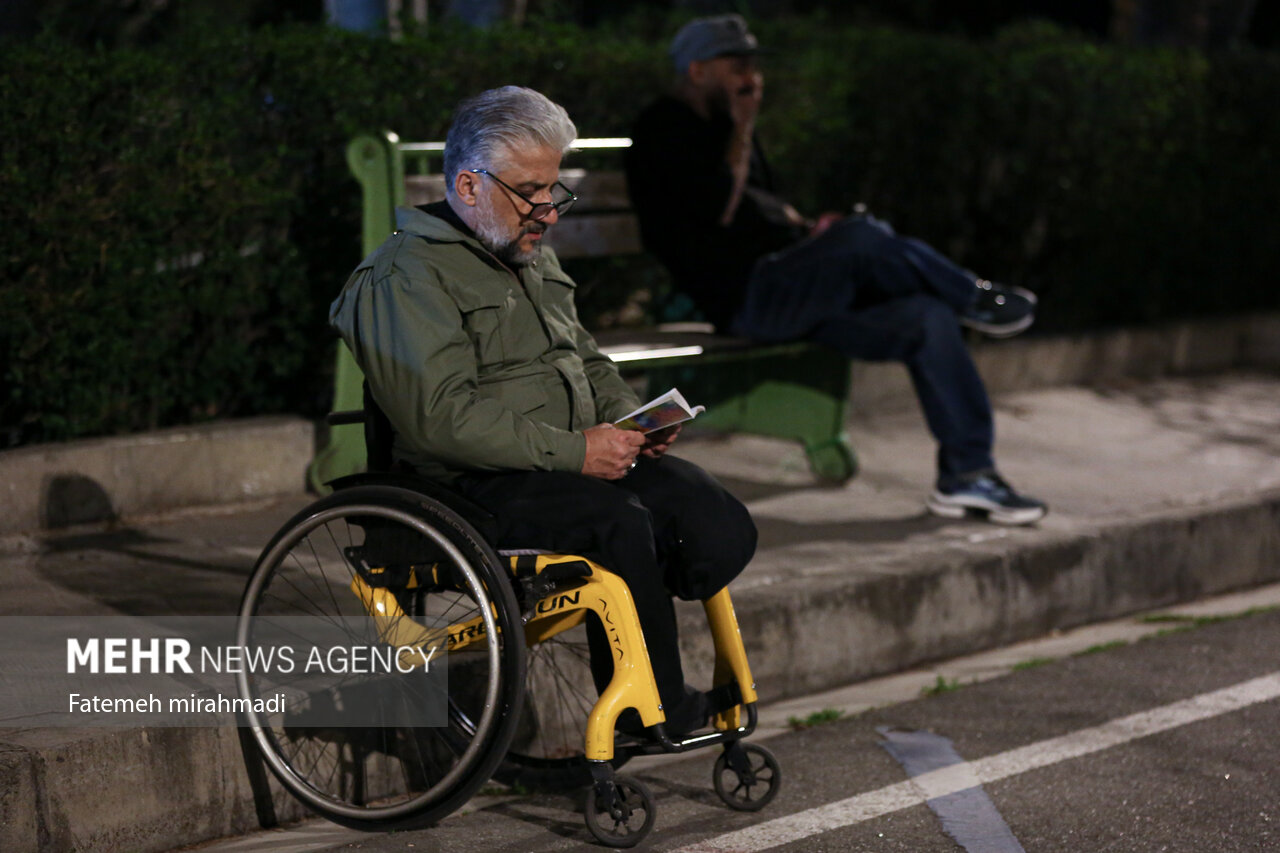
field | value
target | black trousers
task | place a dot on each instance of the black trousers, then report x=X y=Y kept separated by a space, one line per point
x=666 y=528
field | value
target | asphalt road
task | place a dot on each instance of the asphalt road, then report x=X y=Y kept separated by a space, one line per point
x=1163 y=744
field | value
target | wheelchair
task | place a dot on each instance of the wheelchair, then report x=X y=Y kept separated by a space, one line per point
x=489 y=673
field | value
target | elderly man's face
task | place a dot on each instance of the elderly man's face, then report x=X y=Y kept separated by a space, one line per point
x=503 y=224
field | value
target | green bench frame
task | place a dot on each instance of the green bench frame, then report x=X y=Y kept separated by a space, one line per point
x=795 y=391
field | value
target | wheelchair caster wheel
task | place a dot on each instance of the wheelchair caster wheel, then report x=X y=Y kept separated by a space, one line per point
x=619 y=812
x=746 y=776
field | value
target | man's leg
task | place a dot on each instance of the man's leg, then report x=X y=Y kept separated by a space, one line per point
x=903 y=266
x=857 y=262
x=860 y=262
x=705 y=536
x=609 y=523
x=921 y=331
x=996 y=310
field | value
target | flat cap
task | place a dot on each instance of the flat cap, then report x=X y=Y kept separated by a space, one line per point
x=707 y=38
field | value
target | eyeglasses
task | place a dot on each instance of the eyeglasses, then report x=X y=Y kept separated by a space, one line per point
x=538 y=210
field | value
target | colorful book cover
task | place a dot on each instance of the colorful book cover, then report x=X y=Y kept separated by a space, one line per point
x=669 y=409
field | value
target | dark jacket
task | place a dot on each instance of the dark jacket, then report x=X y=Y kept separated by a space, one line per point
x=679 y=184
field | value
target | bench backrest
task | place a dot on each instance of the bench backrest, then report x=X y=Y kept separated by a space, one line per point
x=392 y=173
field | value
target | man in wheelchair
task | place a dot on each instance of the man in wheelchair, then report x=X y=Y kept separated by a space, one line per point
x=466 y=330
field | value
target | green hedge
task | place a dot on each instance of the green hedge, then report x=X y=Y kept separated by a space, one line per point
x=177 y=220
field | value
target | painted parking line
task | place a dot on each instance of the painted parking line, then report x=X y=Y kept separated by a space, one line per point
x=960 y=777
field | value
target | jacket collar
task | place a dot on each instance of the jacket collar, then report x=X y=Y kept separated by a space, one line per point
x=422 y=224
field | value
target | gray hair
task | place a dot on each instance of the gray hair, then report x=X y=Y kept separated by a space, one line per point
x=489 y=125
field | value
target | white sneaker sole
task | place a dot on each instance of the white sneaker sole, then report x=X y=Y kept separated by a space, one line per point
x=1004 y=330
x=1007 y=330
x=948 y=507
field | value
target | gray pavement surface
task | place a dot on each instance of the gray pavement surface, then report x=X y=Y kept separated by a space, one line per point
x=1161 y=492
x=1026 y=722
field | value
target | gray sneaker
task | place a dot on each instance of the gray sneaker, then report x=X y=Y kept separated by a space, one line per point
x=987 y=495
x=1000 y=311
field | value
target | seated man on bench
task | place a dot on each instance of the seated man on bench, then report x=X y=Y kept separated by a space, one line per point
x=466 y=331
x=704 y=198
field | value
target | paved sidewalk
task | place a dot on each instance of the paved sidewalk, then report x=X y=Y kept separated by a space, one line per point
x=1160 y=492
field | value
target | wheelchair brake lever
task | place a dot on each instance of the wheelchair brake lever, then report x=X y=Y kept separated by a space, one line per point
x=556 y=577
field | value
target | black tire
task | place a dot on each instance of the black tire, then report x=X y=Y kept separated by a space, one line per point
x=753 y=783
x=393 y=749
x=628 y=820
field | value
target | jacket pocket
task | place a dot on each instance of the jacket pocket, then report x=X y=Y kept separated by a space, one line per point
x=559 y=312
x=483 y=319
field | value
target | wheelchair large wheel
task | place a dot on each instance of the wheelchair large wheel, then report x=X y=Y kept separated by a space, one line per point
x=549 y=743
x=381 y=737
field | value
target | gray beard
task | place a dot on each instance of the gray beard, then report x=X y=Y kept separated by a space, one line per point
x=493 y=237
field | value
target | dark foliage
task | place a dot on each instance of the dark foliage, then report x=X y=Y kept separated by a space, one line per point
x=177 y=218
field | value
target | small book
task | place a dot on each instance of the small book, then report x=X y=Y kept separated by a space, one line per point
x=669 y=409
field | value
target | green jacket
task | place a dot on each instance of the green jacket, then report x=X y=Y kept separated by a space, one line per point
x=478 y=370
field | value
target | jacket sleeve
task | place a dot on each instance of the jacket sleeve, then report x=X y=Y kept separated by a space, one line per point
x=407 y=335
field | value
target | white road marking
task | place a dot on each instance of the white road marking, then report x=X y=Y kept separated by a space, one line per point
x=959 y=777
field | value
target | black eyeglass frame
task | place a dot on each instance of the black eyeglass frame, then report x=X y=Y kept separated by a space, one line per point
x=538 y=210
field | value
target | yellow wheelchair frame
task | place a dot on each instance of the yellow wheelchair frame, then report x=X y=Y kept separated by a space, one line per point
x=632 y=685
x=605 y=594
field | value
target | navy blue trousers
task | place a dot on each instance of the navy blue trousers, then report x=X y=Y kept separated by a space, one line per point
x=862 y=289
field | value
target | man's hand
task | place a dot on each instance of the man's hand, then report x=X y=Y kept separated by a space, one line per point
x=657 y=442
x=823 y=222
x=610 y=451
x=744 y=103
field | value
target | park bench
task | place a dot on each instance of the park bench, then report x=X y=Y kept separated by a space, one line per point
x=794 y=391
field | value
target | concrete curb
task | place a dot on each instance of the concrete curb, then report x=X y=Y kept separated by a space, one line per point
x=126 y=790
x=898 y=611
x=141 y=790
x=51 y=486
